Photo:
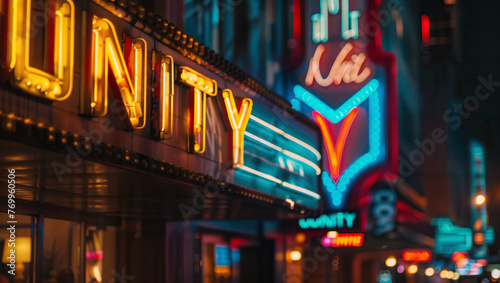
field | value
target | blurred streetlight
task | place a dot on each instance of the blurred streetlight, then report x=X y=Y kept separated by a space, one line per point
x=390 y=261
x=295 y=255
x=429 y=271
x=480 y=199
x=412 y=269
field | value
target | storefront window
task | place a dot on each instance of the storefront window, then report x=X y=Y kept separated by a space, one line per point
x=61 y=251
x=16 y=235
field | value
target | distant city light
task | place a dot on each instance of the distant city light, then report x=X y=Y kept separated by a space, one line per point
x=429 y=271
x=480 y=199
x=332 y=234
x=456 y=276
x=295 y=255
x=443 y=274
x=390 y=261
x=495 y=273
x=401 y=268
x=412 y=269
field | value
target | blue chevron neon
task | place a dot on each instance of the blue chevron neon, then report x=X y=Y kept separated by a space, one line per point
x=332 y=115
x=376 y=152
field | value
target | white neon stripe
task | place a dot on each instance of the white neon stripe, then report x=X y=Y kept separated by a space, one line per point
x=286 y=152
x=301 y=190
x=260 y=174
x=284 y=184
x=273 y=146
x=288 y=136
x=300 y=158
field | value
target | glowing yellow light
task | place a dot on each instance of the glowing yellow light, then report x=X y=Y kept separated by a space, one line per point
x=9 y=37
x=455 y=276
x=333 y=235
x=163 y=94
x=443 y=274
x=429 y=271
x=390 y=261
x=97 y=273
x=106 y=49
x=412 y=269
x=295 y=255
x=201 y=87
x=238 y=120
x=480 y=199
x=54 y=86
x=449 y=274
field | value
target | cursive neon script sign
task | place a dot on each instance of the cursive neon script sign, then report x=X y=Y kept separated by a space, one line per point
x=342 y=69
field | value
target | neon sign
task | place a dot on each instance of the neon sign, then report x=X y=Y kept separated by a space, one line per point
x=119 y=66
x=344 y=240
x=349 y=20
x=238 y=120
x=278 y=161
x=335 y=181
x=335 y=152
x=56 y=82
x=417 y=255
x=450 y=238
x=163 y=95
x=128 y=67
x=347 y=71
x=352 y=96
x=330 y=221
x=201 y=86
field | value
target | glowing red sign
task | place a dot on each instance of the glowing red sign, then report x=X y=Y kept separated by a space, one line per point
x=344 y=240
x=417 y=255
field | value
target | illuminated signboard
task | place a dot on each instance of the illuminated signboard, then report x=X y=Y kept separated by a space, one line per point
x=417 y=255
x=482 y=234
x=471 y=268
x=347 y=85
x=279 y=159
x=450 y=238
x=112 y=64
x=330 y=221
x=222 y=256
x=383 y=211
x=131 y=78
x=343 y=240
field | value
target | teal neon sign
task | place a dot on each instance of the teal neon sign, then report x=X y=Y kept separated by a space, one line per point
x=329 y=221
x=349 y=20
x=451 y=238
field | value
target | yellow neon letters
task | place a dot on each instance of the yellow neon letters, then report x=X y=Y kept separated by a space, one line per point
x=238 y=120
x=163 y=95
x=129 y=84
x=200 y=87
x=8 y=28
x=59 y=84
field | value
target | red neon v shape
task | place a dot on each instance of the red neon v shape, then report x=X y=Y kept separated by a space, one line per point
x=335 y=151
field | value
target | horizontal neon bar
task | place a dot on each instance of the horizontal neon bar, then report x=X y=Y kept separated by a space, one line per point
x=286 y=152
x=288 y=136
x=280 y=182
